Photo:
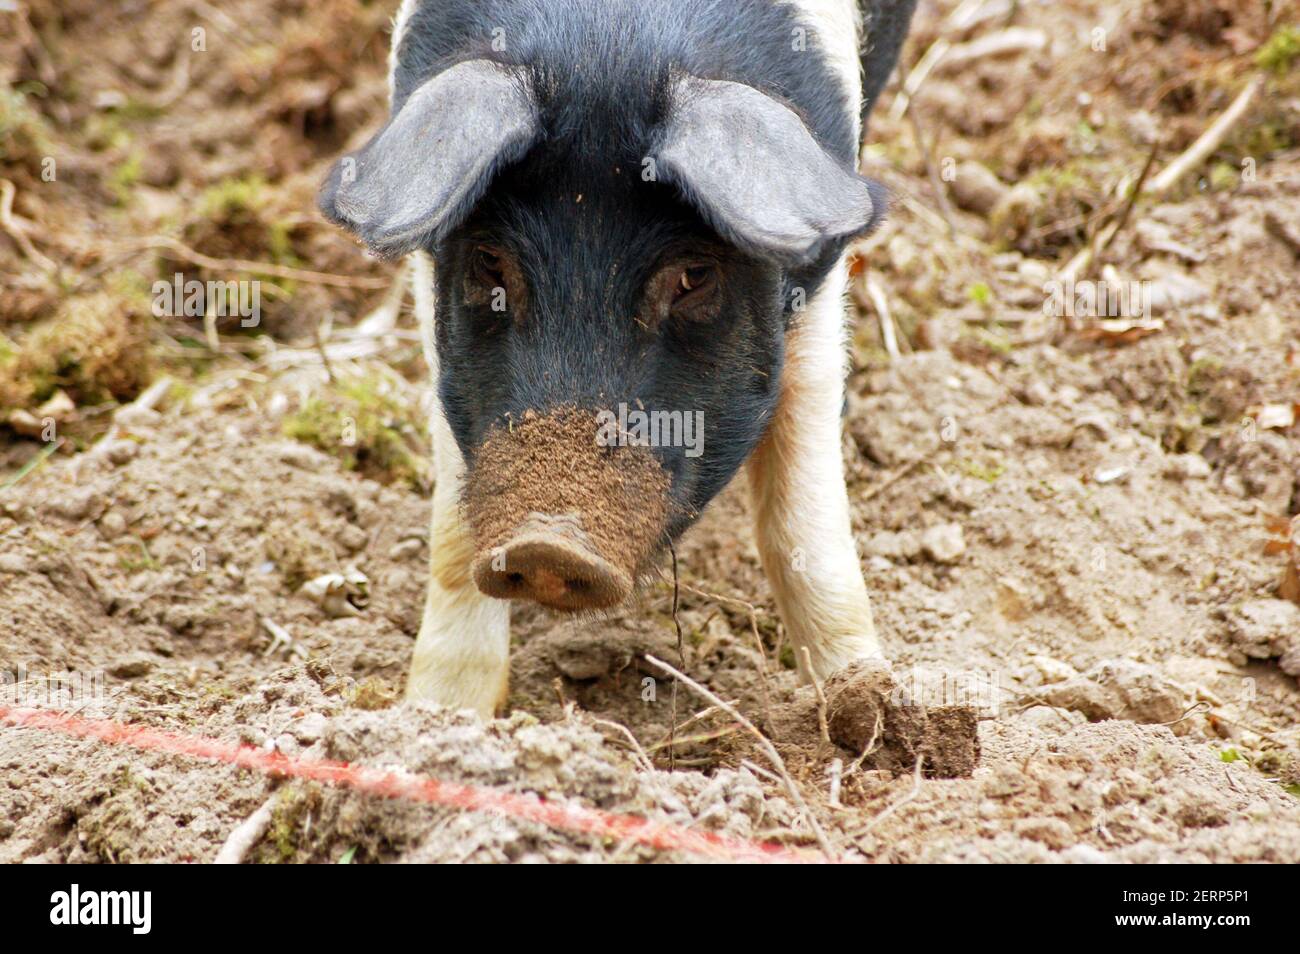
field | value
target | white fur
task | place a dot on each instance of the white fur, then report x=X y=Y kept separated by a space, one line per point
x=462 y=654
x=400 y=23
x=801 y=506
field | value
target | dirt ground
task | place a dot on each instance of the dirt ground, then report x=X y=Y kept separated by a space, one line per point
x=1079 y=532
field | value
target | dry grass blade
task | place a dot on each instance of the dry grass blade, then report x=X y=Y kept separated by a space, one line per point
x=15 y=230
x=175 y=247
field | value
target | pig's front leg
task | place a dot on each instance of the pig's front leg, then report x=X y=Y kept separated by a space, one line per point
x=801 y=506
x=462 y=655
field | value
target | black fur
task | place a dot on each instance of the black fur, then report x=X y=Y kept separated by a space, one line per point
x=588 y=232
x=886 y=23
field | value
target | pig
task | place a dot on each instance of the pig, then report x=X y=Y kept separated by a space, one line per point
x=619 y=209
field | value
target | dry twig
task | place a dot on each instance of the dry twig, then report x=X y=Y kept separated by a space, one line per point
x=16 y=231
x=183 y=251
x=241 y=841
x=764 y=742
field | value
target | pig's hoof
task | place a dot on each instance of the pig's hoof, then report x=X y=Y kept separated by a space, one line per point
x=554 y=569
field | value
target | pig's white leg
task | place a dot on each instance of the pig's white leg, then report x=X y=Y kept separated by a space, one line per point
x=801 y=506
x=462 y=653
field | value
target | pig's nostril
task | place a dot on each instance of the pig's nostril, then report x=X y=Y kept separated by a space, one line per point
x=555 y=569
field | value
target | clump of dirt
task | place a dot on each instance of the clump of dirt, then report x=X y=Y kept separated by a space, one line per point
x=869 y=713
x=96 y=349
x=555 y=464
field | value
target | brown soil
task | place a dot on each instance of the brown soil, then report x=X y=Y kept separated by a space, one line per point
x=1064 y=532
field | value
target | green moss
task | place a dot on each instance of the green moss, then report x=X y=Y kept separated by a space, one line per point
x=1279 y=52
x=23 y=132
x=367 y=429
x=140 y=559
x=96 y=348
x=988 y=473
x=104 y=131
x=236 y=214
x=124 y=177
x=293 y=804
x=231 y=197
x=298 y=556
x=138 y=109
x=370 y=694
x=1201 y=374
x=1223 y=177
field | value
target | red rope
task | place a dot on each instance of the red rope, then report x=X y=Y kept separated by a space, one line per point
x=398 y=784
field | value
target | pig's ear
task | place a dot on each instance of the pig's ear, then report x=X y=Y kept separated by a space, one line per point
x=754 y=171
x=420 y=176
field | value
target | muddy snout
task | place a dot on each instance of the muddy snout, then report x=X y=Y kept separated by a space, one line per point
x=558 y=518
x=551 y=561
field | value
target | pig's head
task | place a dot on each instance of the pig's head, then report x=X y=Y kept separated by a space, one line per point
x=617 y=263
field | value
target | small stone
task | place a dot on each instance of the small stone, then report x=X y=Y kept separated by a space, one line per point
x=1013 y=601
x=12 y=563
x=976 y=189
x=1110 y=475
x=26 y=423
x=1120 y=689
x=1036 y=393
x=901 y=546
x=406 y=549
x=1082 y=854
x=1174 y=291
x=1187 y=467
x=132 y=667
x=582 y=657
x=1265 y=628
x=879 y=564
x=944 y=543
x=1052 y=832
x=112 y=525
x=1289 y=661
x=77 y=504
x=310 y=728
x=122 y=452
x=299 y=455
x=352 y=538
x=1053 y=670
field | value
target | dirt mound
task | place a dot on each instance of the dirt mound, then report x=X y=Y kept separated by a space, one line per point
x=98 y=576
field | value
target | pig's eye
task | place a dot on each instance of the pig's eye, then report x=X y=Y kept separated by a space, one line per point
x=695 y=287
x=489 y=267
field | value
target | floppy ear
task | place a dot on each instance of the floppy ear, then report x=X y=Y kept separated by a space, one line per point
x=753 y=170
x=420 y=176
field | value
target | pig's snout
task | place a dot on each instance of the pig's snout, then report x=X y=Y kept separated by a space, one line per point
x=560 y=519
x=550 y=561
